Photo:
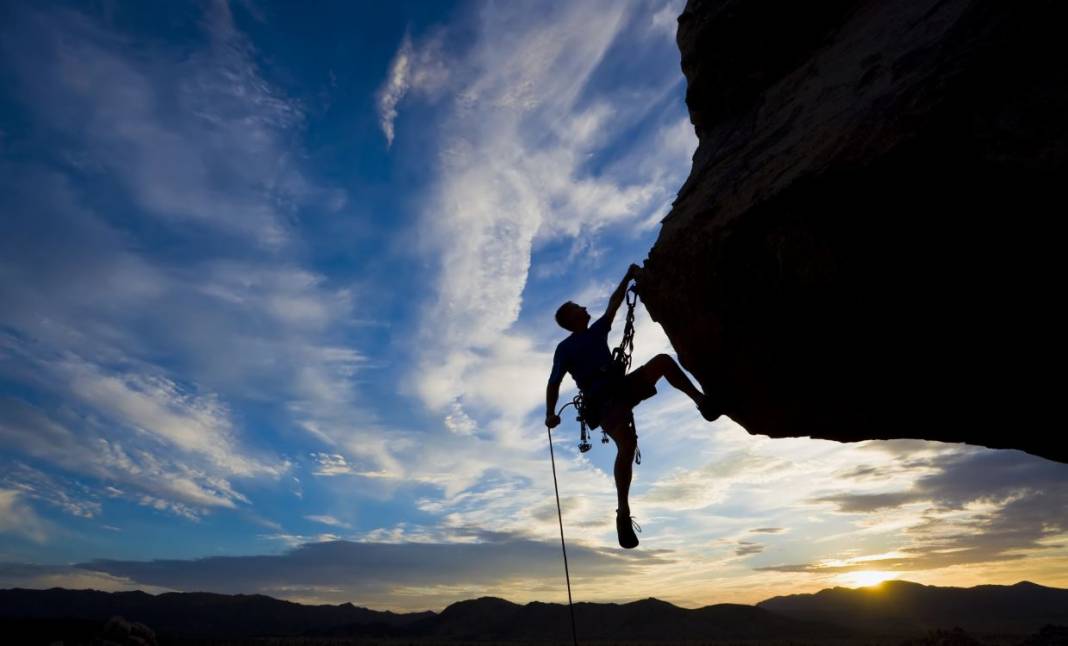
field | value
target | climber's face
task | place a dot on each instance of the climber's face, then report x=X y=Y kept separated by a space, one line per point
x=577 y=317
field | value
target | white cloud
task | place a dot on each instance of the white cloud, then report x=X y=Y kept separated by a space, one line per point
x=199 y=139
x=517 y=127
x=666 y=19
x=328 y=520
x=72 y=497
x=155 y=405
x=384 y=575
x=692 y=489
x=296 y=540
x=331 y=464
x=149 y=356
x=20 y=519
x=512 y=174
x=147 y=473
x=459 y=422
x=43 y=577
x=394 y=88
x=414 y=68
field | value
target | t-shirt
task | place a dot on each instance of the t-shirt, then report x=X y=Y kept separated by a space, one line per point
x=584 y=354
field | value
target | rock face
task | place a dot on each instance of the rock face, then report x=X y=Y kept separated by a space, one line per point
x=866 y=247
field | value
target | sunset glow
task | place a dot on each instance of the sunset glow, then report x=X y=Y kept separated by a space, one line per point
x=865 y=578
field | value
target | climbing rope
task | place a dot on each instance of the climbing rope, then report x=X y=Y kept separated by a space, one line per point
x=563 y=545
x=621 y=355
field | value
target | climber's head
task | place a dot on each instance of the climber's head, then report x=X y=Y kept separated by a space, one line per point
x=572 y=317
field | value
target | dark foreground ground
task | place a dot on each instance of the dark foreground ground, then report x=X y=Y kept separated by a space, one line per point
x=896 y=613
x=119 y=632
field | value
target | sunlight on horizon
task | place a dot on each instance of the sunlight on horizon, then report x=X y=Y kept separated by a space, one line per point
x=866 y=578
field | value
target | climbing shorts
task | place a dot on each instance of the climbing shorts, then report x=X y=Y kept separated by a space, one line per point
x=628 y=391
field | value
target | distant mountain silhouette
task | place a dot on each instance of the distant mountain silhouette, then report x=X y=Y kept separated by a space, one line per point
x=895 y=608
x=901 y=606
x=648 y=620
x=216 y=615
x=194 y=613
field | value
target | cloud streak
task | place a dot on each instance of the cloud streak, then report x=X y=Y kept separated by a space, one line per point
x=135 y=360
x=511 y=172
x=418 y=69
x=375 y=572
x=976 y=507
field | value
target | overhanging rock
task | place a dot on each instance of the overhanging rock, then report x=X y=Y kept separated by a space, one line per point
x=866 y=247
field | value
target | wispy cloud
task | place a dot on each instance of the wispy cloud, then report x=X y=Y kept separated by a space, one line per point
x=199 y=140
x=72 y=497
x=415 y=68
x=747 y=548
x=516 y=130
x=136 y=358
x=512 y=171
x=18 y=519
x=975 y=506
x=328 y=520
x=374 y=573
x=123 y=463
x=17 y=575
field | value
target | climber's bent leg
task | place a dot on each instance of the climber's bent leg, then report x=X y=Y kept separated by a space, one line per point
x=663 y=365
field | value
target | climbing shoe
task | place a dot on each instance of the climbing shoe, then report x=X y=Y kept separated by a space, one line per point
x=625 y=527
x=710 y=409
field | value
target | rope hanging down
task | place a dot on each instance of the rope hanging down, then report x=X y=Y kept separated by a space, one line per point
x=563 y=545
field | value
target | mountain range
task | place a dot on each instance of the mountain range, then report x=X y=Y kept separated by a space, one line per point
x=892 y=608
x=897 y=606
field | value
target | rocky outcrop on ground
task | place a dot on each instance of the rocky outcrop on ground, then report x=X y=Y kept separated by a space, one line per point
x=866 y=246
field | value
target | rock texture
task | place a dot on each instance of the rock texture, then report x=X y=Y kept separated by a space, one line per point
x=866 y=246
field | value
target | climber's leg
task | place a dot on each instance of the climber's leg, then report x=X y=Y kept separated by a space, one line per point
x=616 y=423
x=663 y=365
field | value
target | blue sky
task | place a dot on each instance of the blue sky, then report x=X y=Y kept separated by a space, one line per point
x=276 y=296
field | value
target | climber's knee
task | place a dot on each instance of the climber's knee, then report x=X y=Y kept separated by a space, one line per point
x=662 y=359
x=617 y=425
x=655 y=368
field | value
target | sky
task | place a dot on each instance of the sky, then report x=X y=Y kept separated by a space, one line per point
x=276 y=315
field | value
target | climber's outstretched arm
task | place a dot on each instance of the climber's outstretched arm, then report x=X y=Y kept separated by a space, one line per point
x=552 y=393
x=616 y=299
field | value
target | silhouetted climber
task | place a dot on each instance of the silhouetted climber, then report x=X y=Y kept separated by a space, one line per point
x=609 y=396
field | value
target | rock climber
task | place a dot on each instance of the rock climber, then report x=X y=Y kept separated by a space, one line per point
x=608 y=395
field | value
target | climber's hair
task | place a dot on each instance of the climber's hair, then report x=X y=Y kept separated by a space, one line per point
x=560 y=315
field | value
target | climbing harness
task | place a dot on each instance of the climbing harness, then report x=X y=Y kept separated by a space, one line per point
x=621 y=360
